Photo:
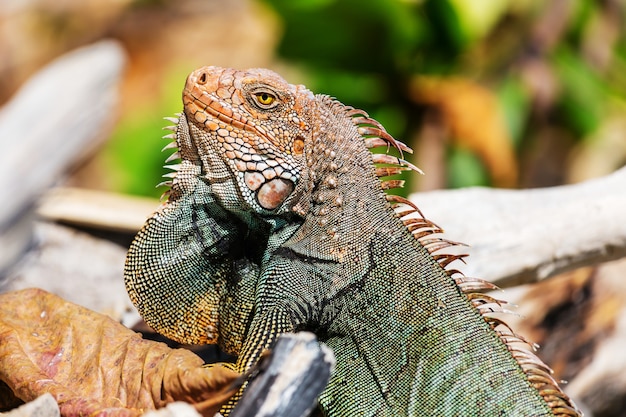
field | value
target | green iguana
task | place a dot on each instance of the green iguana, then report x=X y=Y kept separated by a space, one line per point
x=277 y=220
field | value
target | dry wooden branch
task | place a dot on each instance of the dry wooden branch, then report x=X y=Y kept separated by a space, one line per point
x=529 y=235
x=97 y=209
x=59 y=116
x=289 y=383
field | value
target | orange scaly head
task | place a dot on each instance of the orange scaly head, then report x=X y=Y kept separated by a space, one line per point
x=252 y=126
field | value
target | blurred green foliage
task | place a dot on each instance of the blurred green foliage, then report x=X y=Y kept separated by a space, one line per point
x=365 y=54
x=133 y=145
x=553 y=66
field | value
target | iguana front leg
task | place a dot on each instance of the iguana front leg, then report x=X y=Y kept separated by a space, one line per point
x=279 y=308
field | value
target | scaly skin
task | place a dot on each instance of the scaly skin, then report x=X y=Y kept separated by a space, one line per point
x=277 y=222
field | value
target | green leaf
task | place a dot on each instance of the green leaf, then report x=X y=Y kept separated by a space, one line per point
x=516 y=106
x=133 y=157
x=582 y=103
x=464 y=169
x=478 y=17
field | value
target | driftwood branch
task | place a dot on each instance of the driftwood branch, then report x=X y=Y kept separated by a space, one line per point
x=43 y=406
x=525 y=236
x=288 y=385
x=59 y=116
x=514 y=236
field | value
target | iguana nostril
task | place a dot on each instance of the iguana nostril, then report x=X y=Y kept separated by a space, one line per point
x=202 y=78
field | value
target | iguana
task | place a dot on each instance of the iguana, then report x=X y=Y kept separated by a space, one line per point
x=278 y=220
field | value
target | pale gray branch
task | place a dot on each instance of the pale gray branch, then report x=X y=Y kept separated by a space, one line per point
x=522 y=236
x=290 y=380
x=60 y=115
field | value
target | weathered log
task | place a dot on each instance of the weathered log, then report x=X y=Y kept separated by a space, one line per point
x=523 y=236
x=290 y=380
x=60 y=115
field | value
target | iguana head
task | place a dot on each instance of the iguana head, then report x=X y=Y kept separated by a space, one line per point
x=266 y=145
x=250 y=128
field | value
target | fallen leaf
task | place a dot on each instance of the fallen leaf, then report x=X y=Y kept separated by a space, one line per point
x=93 y=365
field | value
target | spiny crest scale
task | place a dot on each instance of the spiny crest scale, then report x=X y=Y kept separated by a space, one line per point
x=175 y=156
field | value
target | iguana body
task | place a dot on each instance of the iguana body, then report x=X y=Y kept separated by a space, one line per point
x=277 y=221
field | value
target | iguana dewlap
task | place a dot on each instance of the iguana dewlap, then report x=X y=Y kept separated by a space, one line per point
x=278 y=220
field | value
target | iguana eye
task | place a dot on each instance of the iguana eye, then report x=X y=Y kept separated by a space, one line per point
x=265 y=100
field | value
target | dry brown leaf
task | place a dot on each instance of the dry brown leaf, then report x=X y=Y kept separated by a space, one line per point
x=93 y=365
x=472 y=114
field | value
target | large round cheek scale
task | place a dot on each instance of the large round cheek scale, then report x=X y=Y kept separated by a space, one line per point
x=271 y=194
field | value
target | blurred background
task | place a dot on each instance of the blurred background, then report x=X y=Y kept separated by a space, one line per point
x=501 y=93
x=524 y=93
